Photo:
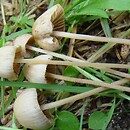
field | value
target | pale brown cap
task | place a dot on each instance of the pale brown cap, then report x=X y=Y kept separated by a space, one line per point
x=36 y=72
x=28 y=112
x=49 y=21
x=22 y=41
x=8 y=69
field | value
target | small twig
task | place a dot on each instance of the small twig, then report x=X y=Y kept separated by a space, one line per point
x=3 y=13
x=72 y=41
x=34 y=9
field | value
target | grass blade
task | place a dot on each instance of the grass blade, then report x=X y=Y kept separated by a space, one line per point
x=56 y=87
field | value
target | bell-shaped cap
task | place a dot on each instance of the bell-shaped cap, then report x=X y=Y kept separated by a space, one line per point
x=49 y=21
x=22 y=41
x=28 y=112
x=36 y=72
x=8 y=69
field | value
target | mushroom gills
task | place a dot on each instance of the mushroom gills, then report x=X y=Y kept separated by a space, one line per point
x=49 y=21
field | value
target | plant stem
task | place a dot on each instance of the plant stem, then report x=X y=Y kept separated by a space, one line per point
x=79 y=96
x=91 y=38
x=35 y=8
x=115 y=72
x=61 y=56
x=91 y=82
x=3 y=13
x=64 y=57
x=76 y=63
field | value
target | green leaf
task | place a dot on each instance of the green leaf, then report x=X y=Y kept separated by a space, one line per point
x=72 y=4
x=10 y=99
x=70 y=71
x=99 y=74
x=121 y=5
x=95 y=8
x=86 y=74
x=23 y=20
x=14 y=19
x=51 y=4
x=2 y=100
x=96 y=120
x=14 y=122
x=30 y=22
x=16 y=34
x=100 y=120
x=82 y=113
x=124 y=96
x=67 y=121
x=110 y=113
x=92 y=11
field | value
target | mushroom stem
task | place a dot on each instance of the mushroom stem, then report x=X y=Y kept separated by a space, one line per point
x=64 y=57
x=76 y=63
x=79 y=96
x=86 y=81
x=61 y=56
x=121 y=74
x=91 y=38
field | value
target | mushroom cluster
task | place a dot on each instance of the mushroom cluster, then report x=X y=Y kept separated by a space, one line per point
x=46 y=33
x=10 y=69
x=52 y=19
x=43 y=27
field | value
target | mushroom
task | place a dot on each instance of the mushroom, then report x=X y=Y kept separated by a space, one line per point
x=8 y=69
x=28 y=112
x=52 y=19
x=36 y=72
x=22 y=41
x=48 y=29
x=31 y=114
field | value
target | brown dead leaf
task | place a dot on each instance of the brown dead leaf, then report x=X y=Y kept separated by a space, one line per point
x=124 y=51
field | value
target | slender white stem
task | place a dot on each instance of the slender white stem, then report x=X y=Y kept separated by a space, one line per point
x=115 y=72
x=61 y=56
x=76 y=63
x=78 y=96
x=91 y=82
x=64 y=57
x=91 y=38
